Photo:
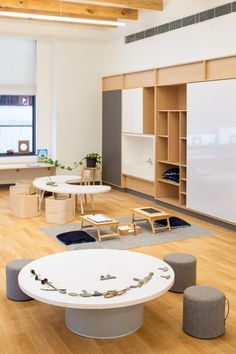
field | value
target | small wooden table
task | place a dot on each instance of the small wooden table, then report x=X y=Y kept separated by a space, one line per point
x=93 y=171
x=100 y=225
x=151 y=217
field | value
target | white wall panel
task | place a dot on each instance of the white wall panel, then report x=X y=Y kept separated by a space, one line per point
x=211 y=148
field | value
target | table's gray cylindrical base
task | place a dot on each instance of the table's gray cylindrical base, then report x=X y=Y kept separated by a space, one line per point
x=105 y=323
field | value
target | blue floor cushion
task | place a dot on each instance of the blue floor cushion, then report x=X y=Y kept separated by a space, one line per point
x=71 y=237
x=175 y=222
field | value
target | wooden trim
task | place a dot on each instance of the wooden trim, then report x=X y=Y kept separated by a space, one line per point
x=181 y=74
x=140 y=79
x=66 y=8
x=138 y=4
x=112 y=83
x=224 y=68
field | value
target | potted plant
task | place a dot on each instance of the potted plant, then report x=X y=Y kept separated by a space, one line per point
x=92 y=159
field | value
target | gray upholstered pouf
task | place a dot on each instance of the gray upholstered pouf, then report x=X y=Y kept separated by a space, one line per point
x=204 y=312
x=184 y=266
x=13 y=290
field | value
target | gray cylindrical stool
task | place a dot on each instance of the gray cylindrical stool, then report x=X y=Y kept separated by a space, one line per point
x=184 y=266
x=204 y=312
x=13 y=290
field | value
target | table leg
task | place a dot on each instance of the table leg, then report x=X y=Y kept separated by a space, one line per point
x=92 y=201
x=105 y=323
x=153 y=227
x=168 y=223
x=41 y=199
x=99 y=234
x=81 y=204
x=82 y=224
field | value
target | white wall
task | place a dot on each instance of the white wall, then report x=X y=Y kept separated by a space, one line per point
x=68 y=77
x=207 y=39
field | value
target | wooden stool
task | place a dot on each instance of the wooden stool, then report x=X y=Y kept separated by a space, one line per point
x=60 y=210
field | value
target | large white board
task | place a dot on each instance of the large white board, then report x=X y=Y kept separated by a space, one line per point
x=211 y=148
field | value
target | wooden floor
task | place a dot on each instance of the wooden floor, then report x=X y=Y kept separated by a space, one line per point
x=34 y=327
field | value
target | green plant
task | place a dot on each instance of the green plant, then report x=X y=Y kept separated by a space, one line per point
x=56 y=163
x=92 y=155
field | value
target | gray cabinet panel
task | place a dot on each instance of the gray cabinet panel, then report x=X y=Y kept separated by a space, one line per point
x=111 y=137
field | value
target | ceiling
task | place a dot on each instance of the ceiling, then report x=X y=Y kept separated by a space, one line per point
x=112 y=11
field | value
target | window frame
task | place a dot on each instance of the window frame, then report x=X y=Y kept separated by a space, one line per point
x=33 y=152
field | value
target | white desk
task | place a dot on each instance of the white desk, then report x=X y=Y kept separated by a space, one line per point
x=62 y=186
x=11 y=173
x=96 y=316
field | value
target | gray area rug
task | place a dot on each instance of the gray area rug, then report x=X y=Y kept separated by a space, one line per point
x=145 y=238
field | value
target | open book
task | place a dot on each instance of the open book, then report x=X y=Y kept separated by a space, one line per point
x=98 y=218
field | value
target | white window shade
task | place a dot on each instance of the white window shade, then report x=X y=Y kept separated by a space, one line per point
x=17 y=63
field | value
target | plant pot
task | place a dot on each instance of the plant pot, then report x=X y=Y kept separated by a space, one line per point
x=91 y=162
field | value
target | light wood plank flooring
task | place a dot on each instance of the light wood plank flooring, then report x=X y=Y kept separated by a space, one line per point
x=34 y=327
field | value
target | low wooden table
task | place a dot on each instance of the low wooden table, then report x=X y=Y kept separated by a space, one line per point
x=151 y=217
x=100 y=225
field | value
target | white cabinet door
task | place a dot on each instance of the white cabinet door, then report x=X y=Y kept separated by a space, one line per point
x=132 y=110
x=211 y=148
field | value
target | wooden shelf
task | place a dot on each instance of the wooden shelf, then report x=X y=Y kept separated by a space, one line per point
x=172 y=110
x=148 y=136
x=171 y=141
x=169 y=182
x=184 y=193
x=169 y=200
x=169 y=162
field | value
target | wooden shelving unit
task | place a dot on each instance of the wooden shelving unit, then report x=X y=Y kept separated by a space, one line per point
x=171 y=118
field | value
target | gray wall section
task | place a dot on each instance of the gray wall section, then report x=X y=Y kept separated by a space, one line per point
x=111 y=137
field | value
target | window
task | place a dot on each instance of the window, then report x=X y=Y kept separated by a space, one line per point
x=17 y=122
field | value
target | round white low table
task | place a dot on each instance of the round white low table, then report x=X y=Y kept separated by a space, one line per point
x=63 y=184
x=97 y=316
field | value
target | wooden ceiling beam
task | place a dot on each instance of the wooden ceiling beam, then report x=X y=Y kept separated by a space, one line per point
x=64 y=8
x=137 y=4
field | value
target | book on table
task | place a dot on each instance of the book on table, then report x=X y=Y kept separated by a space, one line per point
x=98 y=218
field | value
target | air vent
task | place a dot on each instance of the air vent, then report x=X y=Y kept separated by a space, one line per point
x=183 y=22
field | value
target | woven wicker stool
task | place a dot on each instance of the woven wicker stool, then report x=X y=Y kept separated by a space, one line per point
x=13 y=290
x=204 y=312
x=184 y=266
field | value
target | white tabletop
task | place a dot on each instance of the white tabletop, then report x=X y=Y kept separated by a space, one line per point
x=81 y=270
x=29 y=165
x=62 y=185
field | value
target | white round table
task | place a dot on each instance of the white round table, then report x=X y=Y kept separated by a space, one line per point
x=78 y=271
x=63 y=184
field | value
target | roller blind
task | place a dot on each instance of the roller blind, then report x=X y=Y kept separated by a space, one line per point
x=17 y=66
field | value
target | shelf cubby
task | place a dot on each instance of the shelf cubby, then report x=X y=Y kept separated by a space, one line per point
x=162 y=149
x=171 y=97
x=162 y=126
x=183 y=152
x=138 y=156
x=173 y=142
x=183 y=125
